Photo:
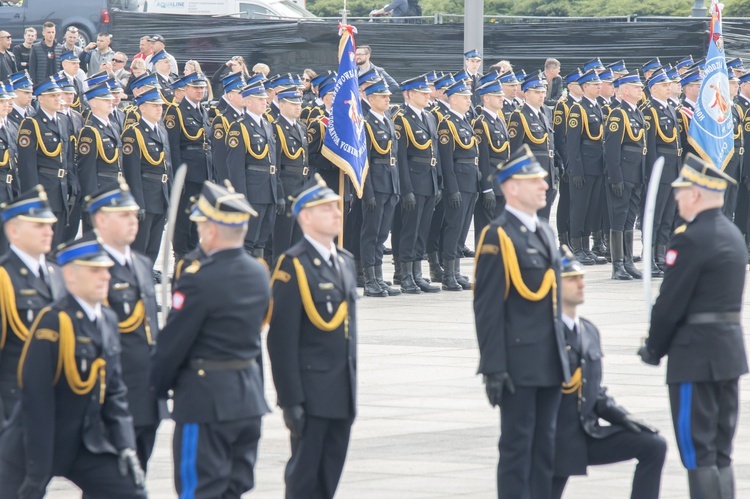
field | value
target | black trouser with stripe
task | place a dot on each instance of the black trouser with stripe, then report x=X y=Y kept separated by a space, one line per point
x=215 y=460
x=704 y=415
x=375 y=227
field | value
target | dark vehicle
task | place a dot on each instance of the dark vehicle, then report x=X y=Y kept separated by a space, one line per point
x=89 y=16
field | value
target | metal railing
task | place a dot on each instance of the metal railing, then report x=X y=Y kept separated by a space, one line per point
x=445 y=18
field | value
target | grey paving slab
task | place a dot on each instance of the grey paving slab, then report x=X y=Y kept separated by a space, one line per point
x=425 y=430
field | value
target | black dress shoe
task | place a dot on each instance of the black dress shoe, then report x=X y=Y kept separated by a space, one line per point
x=467 y=252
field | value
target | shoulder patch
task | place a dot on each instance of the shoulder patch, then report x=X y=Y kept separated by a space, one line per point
x=558 y=119
x=24 y=141
x=169 y=121
x=232 y=142
x=614 y=118
x=47 y=334
x=614 y=126
x=84 y=149
x=88 y=140
x=670 y=257
x=24 y=132
x=444 y=139
x=219 y=133
x=178 y=300
x=126 y=149
x=572 y=122
x=128 y=140
x=512 y=133
x=282 y=276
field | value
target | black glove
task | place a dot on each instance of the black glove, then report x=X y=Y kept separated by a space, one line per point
x=408 y=202
x=579 y=181
x=128 y=462
x=439 y=196
x=494 y=384
x=141 y=215
x=280 y=206
x=294 y=419
x=618 y=189
x=564 y=176
x=647 y=357
x=489 y=202
x=454 y=200
x=637 y=426
x=369 y=204
x=32 y=488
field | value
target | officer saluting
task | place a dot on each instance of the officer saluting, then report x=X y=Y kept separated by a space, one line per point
x=187 y=125
x=696 y=320
x=312 y=346
x=521 y=343
x=27 y=282
x=581 y=441
x=133 y=298
x=209 y=353
x=251 y=163
x=43 y=151
x=73 y=418
x=144 y=162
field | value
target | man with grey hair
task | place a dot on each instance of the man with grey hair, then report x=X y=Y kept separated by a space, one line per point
x=555 y=86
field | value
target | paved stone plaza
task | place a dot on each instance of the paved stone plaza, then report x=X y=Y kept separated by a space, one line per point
x=424 y=427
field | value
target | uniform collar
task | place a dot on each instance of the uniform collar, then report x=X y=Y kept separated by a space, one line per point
x=122 y=258
x=93 y=313
x=33 y=264
x=326 y=253
x=573 y=323
x=377 y=116
x=530 y=221
x=492 y=114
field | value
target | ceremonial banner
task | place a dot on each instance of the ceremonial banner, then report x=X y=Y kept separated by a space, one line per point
x=710 y=130
x=344 y=144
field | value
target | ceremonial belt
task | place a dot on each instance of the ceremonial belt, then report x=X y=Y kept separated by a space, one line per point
x=221 y=365
x=117 y=175
x=304 y=170
x=384 y=161
x=467 y=161
x=669 y=151
x=592 y=143
x=204 y=147
x=161 y=177
x=713 y=318
x=55 y=172
x=432 y=161
x=8 y=178
x=261 y=168
x=632 y=148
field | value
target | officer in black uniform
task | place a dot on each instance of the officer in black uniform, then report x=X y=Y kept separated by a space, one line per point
x=117 y=116
x=99 y=159
x=133 y=298
x=251 y=163
x=560 y=126
x=144 y=163
x=580 y=440
x=381 y=189
x=143 y=83
x=742 y=209
x=690 y=83
x=734 y=166
x=459 y=162
x=624 y=155
x=209 y=353
x=511 y=84
x=27 y=283
x=73 y=418
x=585 y=168
x=274 y=86
x=292 y=161
x=312 y=344
x=419 y=170
x=472 y=61
x=662 y=139
x=528 y=125
x=162 y=71
x=22 y=86
x=648 y=70
x=494 y=148
x=229 y=109
x=188 y=128
x=70 y=64
x=521 y=342
x=8 y=155
x=315 y=108
x=43 y=151
x=696 y=320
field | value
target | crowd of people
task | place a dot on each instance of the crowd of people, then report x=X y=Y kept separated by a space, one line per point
x=85 y=369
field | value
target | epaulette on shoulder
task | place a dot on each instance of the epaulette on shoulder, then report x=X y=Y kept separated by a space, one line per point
x=679 y=230
x=193 y=268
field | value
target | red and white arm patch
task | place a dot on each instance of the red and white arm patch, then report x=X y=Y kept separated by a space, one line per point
x=670 y=257
x=178 y=300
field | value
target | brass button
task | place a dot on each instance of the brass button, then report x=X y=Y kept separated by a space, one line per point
x=201 y=372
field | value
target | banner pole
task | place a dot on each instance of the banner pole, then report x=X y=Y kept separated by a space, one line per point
x=342 y=178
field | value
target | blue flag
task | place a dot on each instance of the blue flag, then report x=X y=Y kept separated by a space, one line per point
x=710 y=130
x=344 y=144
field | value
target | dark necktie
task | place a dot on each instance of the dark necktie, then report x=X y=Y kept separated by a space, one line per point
x=334 y=266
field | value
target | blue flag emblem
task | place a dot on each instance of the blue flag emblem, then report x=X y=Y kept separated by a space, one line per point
x=344 y=143
x=710 y=131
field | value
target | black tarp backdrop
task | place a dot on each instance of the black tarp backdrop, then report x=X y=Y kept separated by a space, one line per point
x=408 y=50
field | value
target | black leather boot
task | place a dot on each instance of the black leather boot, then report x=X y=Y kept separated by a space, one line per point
x=360 y=274
x=461 y=279
x=564 y=239
x=599 y=248
x=407 y=280
x=371 y=284
x=618 y=258
x=599 y=260
x=704 y=483
x=396 y=270
x=420 y=281
x=384 y=285
x=659 y=252
x=607 y=252
x=449 y=277
x=629 y=265
x=436 y=270
x=576 y=245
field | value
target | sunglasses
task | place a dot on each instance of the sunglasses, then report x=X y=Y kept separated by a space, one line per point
x=118 y=61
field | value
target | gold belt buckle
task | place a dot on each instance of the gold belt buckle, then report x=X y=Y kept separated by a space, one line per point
x=645 y=150
x=164 y=178
x=433 y=161
x=476 y=161
x=393 y=161
x=9 y=179
x=551 y=153
x=679 y=151
x=119 y=175
x=272 y=170
x=742 y=151
x=305 y=171
x=61 y=173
